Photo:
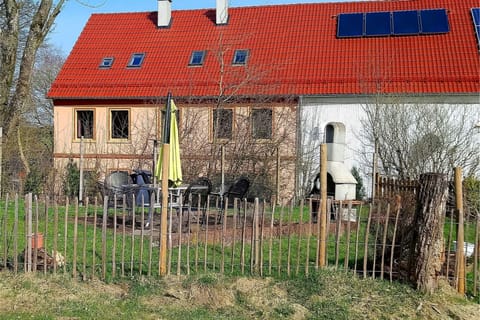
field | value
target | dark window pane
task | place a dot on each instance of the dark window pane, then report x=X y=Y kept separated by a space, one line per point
x=120 y=124
x=222 y=123
x=106 y=63
x=240 y=57
x=329 y=133
x=136 y=60
x=262 y=123
x=197 y=57
x=85 y=124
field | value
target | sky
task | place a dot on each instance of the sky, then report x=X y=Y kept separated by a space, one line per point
x=75 y=14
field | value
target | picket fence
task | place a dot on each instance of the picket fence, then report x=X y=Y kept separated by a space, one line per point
x=91 y=240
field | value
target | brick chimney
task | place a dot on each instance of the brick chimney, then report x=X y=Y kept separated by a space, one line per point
x=222 y=12
x=164 y=13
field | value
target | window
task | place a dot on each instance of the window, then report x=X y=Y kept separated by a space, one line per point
x=197 y=58
x=119 y=124
x=222 y=123
x=136 y=60
x=84 y=122
x=106 y=63
x=240 y=57
x=329 y=133
x=262 y=123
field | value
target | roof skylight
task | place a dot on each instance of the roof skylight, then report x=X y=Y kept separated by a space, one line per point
x=240 y=57
x=136 y=60
x=197 y=58
x=106 y=63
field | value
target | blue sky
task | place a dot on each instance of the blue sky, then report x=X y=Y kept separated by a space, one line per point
x=75 y=14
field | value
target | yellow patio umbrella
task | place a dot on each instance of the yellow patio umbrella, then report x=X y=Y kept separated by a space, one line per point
x=168 y=169
x=170 y=136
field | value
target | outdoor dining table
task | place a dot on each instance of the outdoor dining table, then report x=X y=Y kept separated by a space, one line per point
x=176 y=200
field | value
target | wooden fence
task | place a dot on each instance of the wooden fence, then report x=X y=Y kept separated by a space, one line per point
x=94 y=241
x=388 y=187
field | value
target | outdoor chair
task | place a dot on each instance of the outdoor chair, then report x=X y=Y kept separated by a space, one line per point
x=141 y=179
x=115 y=186
x=195 y=198
x=237 y=190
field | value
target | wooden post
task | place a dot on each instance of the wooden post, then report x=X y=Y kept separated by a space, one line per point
x=29 y=232
x=5 y=237
x=164 y=214
x=460 y=253
x=1 y=159
x=374 y=170
x=75 y=238
x=80 y=189
x=323 y=206
x=475 y=257
x=277 y=176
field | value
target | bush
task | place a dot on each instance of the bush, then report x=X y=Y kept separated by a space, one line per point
x=34 y=182
x=71 y=182
x=360 y=189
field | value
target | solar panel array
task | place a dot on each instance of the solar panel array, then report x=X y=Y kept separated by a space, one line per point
x=393 y=23
x=476 y=23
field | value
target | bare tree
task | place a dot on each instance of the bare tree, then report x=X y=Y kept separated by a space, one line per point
x=414 y=138
x=250 y=129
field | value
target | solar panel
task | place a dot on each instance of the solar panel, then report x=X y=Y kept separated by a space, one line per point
x=476 y=23
x=476 y=16
x=350 y=25
x=377 y=24
x=405 y=22
x=434 y=21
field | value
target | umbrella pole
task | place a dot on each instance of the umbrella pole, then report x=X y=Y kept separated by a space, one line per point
x=164 y=214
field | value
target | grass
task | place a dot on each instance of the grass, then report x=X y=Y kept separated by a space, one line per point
x=325 y=294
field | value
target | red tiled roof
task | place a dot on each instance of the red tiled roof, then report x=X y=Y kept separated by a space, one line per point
x=293 y=51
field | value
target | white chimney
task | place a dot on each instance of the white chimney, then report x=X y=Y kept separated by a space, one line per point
x=222 y=11
x=164 y=13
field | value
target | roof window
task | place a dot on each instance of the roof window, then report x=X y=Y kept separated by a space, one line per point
x=197 y=58
x=240 y=57
x=106 y=63
x=136 y=60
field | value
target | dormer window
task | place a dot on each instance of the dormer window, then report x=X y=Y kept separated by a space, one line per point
x=136 y=60
x=240 y=57
x=197 y=58
x=106 y=63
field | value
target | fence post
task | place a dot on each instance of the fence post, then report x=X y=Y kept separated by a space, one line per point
x=323 y=203
x=460 y=258
x=29 y=232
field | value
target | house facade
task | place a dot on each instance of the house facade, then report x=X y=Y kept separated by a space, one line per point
x=265 y=84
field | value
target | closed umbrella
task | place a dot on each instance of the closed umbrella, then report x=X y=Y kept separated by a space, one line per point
x=170 y=133
x=168 y=169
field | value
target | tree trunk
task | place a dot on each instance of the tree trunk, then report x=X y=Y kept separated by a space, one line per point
x=428 y=254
